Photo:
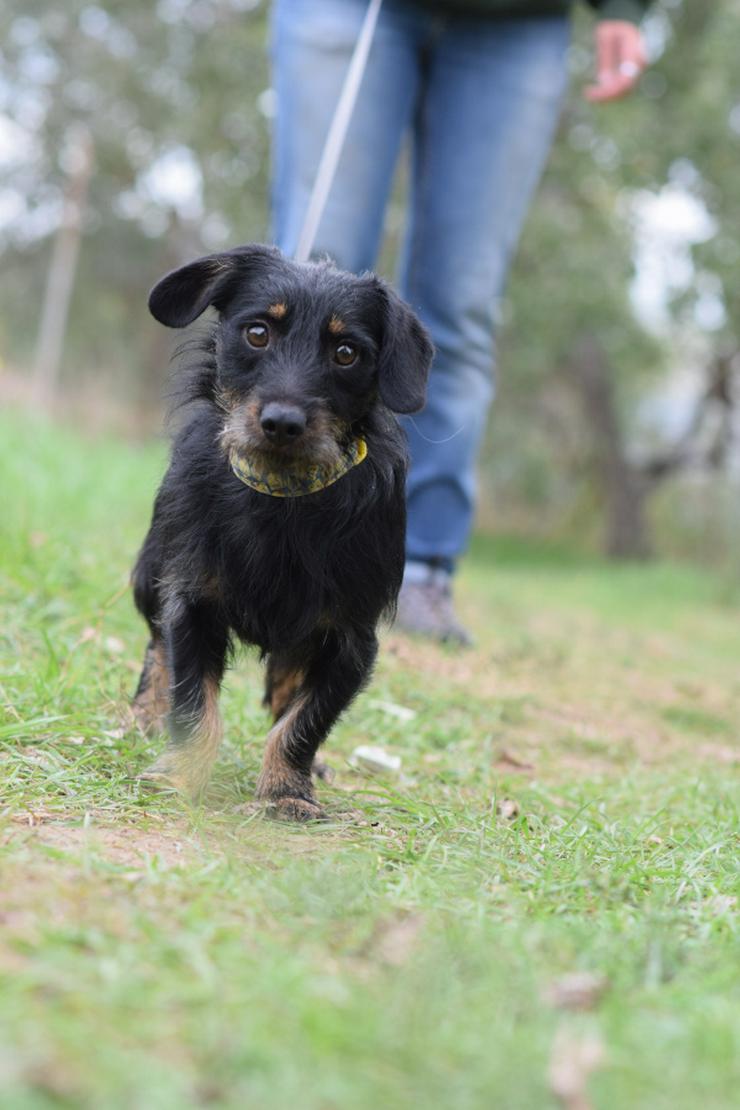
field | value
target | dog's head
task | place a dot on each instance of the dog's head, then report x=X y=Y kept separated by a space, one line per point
x=303 y=351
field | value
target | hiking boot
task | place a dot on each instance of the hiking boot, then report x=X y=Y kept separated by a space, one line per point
x=425 y=606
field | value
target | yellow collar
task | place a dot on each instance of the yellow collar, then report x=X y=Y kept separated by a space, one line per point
x=298 y=481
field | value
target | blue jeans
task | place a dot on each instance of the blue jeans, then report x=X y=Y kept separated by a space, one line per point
x=480 y=98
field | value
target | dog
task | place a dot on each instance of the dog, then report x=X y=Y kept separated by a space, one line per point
x=280 y=521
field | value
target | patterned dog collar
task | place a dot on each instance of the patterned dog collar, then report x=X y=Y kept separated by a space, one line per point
x=296 y=482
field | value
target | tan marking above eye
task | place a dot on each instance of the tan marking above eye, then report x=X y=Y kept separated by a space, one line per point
x=336 y=325
x=277 y=310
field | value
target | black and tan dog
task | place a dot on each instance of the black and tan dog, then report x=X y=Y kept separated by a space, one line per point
x=280 y=521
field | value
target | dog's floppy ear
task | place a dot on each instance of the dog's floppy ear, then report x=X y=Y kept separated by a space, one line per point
x=180 y=296
x=406 y=354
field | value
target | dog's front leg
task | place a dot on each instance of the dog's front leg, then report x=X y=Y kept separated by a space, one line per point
x=196 y=641
x=333 y=669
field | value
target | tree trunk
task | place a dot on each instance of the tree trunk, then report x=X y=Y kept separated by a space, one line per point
x=61 y=276
x=624 y=488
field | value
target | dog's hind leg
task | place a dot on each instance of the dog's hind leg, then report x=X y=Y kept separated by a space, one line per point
x=282 y=685
x=334 y=669
x=196 y=643
x=151 y=701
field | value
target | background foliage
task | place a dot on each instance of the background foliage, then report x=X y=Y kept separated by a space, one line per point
x=619 y=336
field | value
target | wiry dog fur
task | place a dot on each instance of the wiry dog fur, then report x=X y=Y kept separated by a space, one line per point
x=306 y=579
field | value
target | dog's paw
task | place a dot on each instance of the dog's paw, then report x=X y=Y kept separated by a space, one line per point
x=294 y=809
x=173 y=774
x=155 y=779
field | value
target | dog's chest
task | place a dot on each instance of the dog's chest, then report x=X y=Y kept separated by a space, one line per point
x=282 y=582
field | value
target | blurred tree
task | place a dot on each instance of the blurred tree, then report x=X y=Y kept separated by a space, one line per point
x=574 y=345
x=174 y=97
x=62 y=271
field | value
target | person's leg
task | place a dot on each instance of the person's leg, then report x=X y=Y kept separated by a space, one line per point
x=313 y=41
x=492 y=97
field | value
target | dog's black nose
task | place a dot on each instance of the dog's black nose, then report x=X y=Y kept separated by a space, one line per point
x=282 y=423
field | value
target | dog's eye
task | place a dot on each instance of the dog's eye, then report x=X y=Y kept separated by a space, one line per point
x=345 y=354
x=257 y=335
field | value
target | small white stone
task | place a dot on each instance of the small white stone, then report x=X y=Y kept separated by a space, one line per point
x=400 y=712
x=371 y=758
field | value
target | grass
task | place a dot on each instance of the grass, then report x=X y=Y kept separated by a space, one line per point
x=567 y=804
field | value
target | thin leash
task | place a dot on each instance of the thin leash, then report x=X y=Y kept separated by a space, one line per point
x=335 y=139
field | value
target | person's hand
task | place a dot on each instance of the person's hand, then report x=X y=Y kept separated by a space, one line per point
x=620 y=59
